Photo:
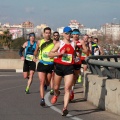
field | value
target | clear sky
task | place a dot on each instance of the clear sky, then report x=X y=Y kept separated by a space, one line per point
x=58 y=13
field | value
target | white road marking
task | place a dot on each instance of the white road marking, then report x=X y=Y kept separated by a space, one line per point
x=56 y=109
x=19 y=70
x=47 y=102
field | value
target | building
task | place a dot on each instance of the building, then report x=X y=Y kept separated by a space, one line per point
x=111 y=30
x=27 y=28
x=39 y=29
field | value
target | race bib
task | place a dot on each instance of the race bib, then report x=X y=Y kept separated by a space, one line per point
x=67 y=58
x=77 y=59
x=45 y=55
x=29 y=57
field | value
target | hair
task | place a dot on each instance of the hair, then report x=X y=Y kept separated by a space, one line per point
x=76 y=30
x=47 y=28
x=32 y=34
x=86 y=35
x=96 y=39
x=56 y=32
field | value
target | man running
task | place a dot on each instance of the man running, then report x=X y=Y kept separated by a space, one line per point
x=46 y=64
x=80 y=47
x=56 y=37
x=29 y=60
x=64 y=51
x=98 y=51
x=84 y=55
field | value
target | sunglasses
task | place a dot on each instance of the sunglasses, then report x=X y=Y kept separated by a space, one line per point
x=68 y=33
x=75 y=34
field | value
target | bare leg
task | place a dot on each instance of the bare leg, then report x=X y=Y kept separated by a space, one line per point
x=68 y=79
x=25 y=75
x=30 y=78
x=42 y=77
x=52 y=81
x=57 y=81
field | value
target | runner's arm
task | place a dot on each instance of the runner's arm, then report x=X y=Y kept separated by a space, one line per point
x=22 y=49
x=53 y=53
x=84 y=50
x=37 y=48
x=101 y=51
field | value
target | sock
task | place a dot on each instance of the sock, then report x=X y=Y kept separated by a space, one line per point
x=73 y=88
x=80 y=78
x=27 y=88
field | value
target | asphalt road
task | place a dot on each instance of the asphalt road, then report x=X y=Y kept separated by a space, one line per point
x=16 y=105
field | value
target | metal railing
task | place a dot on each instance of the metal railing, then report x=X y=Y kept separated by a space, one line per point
x=108 y=66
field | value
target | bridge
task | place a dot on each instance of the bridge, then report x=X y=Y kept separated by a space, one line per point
x=97 y=98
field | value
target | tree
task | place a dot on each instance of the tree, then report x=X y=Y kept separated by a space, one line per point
x=6 y=39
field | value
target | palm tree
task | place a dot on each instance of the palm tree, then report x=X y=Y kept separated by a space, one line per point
x=7 y=39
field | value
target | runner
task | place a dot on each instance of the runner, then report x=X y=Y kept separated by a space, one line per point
x=56 y=37
x=89 y=48
x=46 y=64
x=80 y=47
x=64 y=51
x=98 y=51
x=29 y=60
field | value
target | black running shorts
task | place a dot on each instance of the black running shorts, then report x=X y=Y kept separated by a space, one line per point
x=63 y=70
x=29 y=65
x=45 y=68
x=77 y=66
x=84 y=62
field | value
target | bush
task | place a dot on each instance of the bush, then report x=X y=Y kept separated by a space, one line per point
x=17 y=43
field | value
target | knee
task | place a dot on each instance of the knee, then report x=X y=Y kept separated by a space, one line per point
x=67 y=89
x=41 y=82
x=25 y=77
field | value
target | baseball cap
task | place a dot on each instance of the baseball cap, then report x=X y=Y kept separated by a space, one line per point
x=76 y=31
x=67 y=30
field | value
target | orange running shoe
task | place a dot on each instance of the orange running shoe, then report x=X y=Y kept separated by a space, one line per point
x=54 y=98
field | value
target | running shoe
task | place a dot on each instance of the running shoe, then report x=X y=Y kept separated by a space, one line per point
x=65 y=112
x=42 y=102
x=79 y=79
x=27 y=92
x=54 y=98
x=71 y=95
x=45 y=87
x=51 y=92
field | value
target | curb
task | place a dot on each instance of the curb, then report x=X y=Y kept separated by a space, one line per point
x=11 y=70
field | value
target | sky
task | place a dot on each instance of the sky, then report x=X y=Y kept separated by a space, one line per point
x=58 y=13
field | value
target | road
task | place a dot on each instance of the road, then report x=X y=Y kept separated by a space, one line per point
x=16 y=105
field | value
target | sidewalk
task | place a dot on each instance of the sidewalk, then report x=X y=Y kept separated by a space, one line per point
x=83 y=109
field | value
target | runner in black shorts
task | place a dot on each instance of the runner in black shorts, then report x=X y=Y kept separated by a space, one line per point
x=64 y=51
x=46 y=64
x=80 y=46
x=29 y=60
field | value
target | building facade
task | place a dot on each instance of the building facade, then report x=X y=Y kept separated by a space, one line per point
x=111 y=30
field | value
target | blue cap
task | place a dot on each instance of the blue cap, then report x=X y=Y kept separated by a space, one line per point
x=75 y=33
x=67 y=30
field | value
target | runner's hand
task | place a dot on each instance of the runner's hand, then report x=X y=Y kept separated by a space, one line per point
x=22 y=58
x=35 y=59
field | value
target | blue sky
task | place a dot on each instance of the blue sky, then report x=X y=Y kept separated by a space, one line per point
x=58 y=13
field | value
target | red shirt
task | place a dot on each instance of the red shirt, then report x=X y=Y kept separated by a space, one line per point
x=78 y=51
x=68 y=57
